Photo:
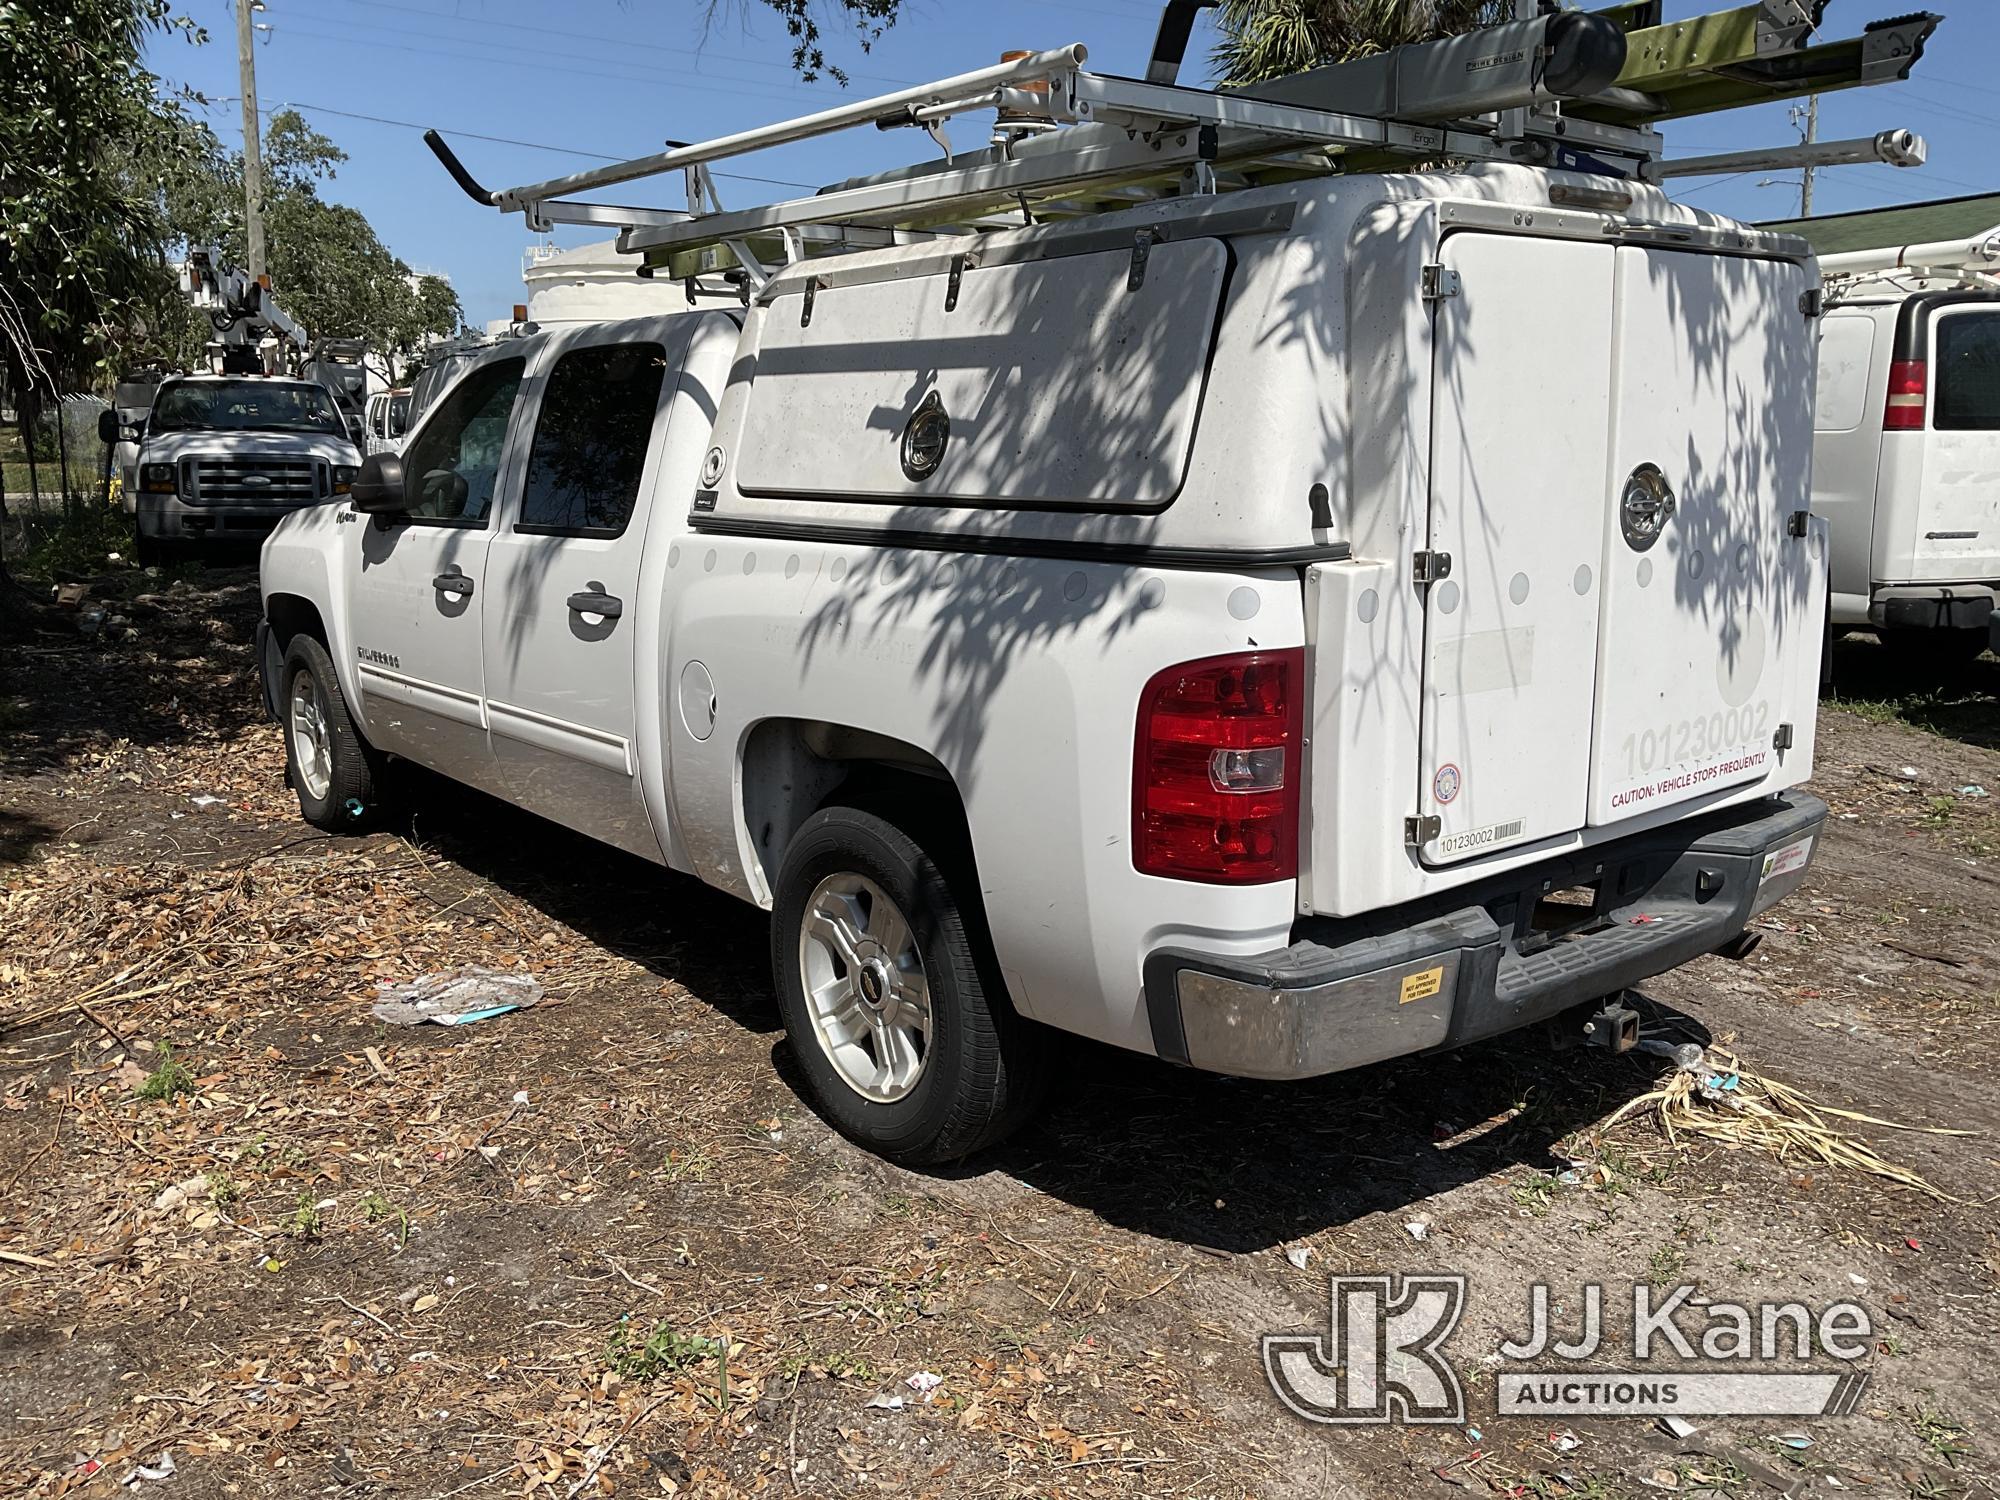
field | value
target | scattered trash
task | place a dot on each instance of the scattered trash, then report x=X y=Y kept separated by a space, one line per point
x=1418 y=1229
x=924 y=1382
x=1759 y=1111
x=71 y=595
x=1565 y=1442
x=90 y=620
x=207 y=799
x=520 y=1096
x=1677 y=1427
x=1857 y=1278
x=1687 y=1056
x=1298 y=1255
x=1473 y=1433
x=1914 y=1244
x=1795 y=1440
x=160 y=1468
x=1974 y=790
x=456 y=997
x=1909 y=773
x=885 y=1402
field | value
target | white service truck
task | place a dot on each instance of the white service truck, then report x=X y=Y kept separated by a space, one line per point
x=1274 y=629
x=1906 y=449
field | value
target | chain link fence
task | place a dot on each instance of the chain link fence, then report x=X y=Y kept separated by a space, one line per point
x=62 y=510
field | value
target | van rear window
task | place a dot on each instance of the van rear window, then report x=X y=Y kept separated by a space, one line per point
x=1965 y=366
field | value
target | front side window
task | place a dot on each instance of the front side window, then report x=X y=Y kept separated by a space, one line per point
x=591 y=439
x=1966 y=365
x=453 y=465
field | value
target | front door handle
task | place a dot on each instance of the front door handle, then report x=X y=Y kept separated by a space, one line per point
x=454 y=583
x=596 y=602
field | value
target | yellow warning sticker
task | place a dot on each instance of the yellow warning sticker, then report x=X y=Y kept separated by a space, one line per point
x=1421 y=985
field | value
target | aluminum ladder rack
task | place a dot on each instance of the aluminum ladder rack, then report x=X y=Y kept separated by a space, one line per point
x=1565 y=90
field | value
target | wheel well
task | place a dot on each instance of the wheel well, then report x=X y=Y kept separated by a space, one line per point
x=291 y=615
x=794 y=767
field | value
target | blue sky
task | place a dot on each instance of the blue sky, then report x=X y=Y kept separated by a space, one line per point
x=617 y=77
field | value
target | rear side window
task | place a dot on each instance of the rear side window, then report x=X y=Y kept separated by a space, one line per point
x=1965 y=365
x=1846 y=345
x=591 y=440
x=453 y=465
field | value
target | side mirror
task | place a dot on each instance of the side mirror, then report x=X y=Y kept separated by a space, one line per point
x=378 y=489
x=358 y=431
x=109 y=428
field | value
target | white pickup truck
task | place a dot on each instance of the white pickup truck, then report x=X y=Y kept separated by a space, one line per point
x=1275 y=631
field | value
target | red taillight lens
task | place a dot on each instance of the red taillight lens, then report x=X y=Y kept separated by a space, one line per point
x=1909 y=382
x=1216 y=770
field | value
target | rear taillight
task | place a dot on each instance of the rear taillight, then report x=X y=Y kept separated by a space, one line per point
x=1909 y=383
x=1216 y=770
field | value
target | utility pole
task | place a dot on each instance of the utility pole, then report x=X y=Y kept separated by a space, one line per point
x=253 y=135
x=1812 y=134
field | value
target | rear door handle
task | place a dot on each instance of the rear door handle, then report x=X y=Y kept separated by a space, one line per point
x=596 y=602
x=454 y=583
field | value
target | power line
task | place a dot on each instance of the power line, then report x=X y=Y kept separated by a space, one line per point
x=500 y=140
x=624 y=43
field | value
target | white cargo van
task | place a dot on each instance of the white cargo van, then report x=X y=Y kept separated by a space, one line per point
x=1906 y=451
x=1271 y=627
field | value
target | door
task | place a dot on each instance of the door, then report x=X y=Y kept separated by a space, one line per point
x=1847 y=444
x=1706 y=581
x=563 y=610
x=1957 y=536
x=1519 y=432
x=418 y=586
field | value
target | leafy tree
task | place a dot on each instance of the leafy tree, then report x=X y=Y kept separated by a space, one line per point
x=866 y=19
x=87 y=136
x=329 y=268
x=1265 y=38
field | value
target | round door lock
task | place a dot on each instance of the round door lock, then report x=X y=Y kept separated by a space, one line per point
x=711 y=468
x=1647 y=506
x=925 y=436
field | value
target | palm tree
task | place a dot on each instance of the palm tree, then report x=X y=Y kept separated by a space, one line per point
x=1265 y=38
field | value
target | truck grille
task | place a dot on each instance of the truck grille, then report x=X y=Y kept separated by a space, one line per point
x=253 y=481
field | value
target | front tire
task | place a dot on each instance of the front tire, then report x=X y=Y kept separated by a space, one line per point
x=327 y=762
x=891 y=996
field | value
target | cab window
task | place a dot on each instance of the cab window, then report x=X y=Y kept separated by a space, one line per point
x=591 y=438
x=1965 y=363
x=453 y=465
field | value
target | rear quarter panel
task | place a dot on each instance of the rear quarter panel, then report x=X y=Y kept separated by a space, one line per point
x=1022 y=677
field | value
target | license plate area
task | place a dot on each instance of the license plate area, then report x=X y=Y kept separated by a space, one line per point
x=1549 y=917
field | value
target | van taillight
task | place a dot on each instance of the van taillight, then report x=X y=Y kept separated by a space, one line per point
x=1216 y=769
x=1909 y=382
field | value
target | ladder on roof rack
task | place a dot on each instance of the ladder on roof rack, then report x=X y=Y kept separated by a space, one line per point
x=1572 y=90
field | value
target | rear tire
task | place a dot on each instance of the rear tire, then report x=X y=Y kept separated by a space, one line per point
x=891 y=996
x=327 y=762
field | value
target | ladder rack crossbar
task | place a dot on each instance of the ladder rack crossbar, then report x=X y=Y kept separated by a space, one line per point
x=1037 y=67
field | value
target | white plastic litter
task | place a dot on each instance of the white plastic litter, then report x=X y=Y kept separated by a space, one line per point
x=160 y=1468
x=885 y=1403
x=455 y=997
x=1418 y=1229
x=924 y=1382
x=1298 y=1255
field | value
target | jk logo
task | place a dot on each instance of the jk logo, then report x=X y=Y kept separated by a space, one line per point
x=1381 y=1362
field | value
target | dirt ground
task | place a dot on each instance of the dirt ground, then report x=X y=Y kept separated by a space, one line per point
x=603 y=1246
